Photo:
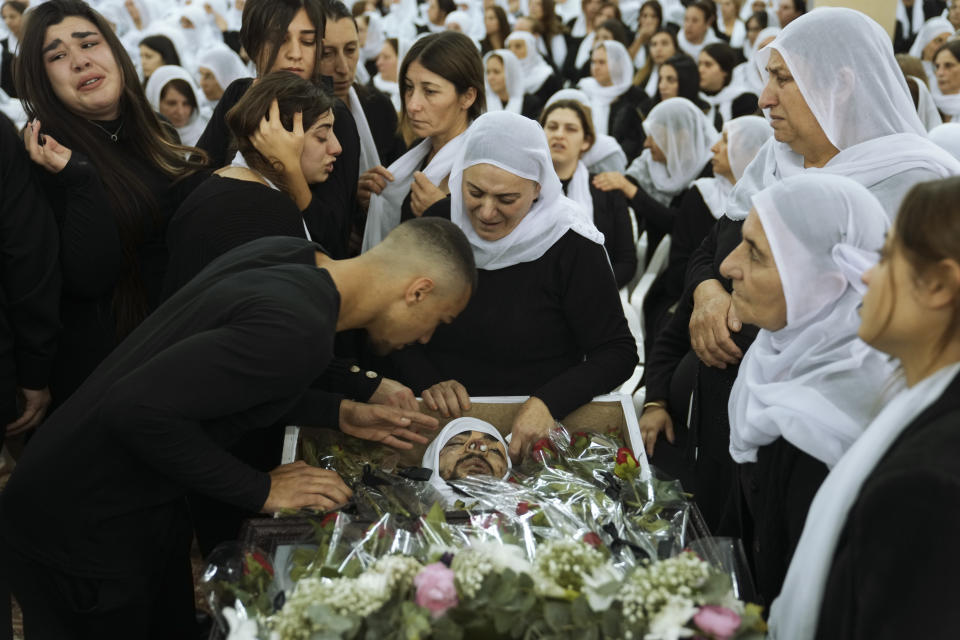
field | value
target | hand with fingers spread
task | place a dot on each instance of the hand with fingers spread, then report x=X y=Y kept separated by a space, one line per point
x=391 y=426
x=615 y=181
x=372 y=181
x=423 y=193
x=44 y=150
x=533 y=422
x=284 y=148
x=392 y=393
x=35 y=404
x=300 y=486
x=654 y=420
x=449 y=398
x=711 y=322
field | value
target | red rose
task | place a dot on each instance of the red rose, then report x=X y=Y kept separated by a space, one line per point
x=593 y=540
x=327 y=519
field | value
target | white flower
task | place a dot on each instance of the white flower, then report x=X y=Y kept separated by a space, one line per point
x=668 y=623
x=239 y=629
x=602 y=586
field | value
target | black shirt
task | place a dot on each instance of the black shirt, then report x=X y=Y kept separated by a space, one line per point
x=97 y=488
x=552 y=328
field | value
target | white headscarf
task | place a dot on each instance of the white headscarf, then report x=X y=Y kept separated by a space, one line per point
x=191 y=132
x=431 y=457
x=948 y=104
x=461 y=19
x=795 y=613
x=693 y=50
x=947 y=136
x=864 y=78
x=813 y=382
x=745 y=136
x=224 y=63
x=536 y=70
x=685 y=135
x=605 y=154
x=929 y=31
x=518 y=145
x=601 y=97
x=375 y=36
x=926 y=107
x=204 y=31
x=512 y=77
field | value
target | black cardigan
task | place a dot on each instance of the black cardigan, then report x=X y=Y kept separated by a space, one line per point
x=888 y=579
x=553 y=328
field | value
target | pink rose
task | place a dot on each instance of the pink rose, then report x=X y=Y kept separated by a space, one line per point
x=435 y=589
x=719 y=621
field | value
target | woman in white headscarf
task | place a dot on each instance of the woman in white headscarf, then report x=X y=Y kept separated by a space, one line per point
x=857 y=571
x=538 y=74
x=611 y=77
x=676 y=152
x=605 y=154
x=697 y=29
x=218 y=66
x=545 y=319
x=947 y=97
x=465 y=447
x=388 y=65
x=926 y=105
x=808 y=386
x=934 y=33
x=505 y=83
x=172 y=92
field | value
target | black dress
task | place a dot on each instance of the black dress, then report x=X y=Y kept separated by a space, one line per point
x=626 y=123
x=611 y=217
x=552 y=328
x=90 y=255
x=653 y=216
x=29 y=277
x=334 y=200
x=891 y=581
x=113 y=464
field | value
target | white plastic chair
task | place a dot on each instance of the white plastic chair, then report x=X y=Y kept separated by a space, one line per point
x=641 y=258
x=657 y=265
x=639 y=397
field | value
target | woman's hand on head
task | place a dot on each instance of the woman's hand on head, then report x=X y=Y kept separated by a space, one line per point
x=533 y=422
x=424 y=194
x=278 y=145
x=372 y=181
x=449 y=398
x=44 y=150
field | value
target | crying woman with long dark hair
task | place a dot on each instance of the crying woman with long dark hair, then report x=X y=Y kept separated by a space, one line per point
x=113 y=173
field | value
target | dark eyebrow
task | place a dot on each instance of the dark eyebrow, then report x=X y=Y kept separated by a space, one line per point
x=79 y=35
x=53 y=45
x=308 y=32
x=83 y=34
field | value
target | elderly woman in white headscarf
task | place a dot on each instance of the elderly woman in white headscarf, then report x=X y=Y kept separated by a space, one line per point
x=808 y=386
x=538 y=74
x=466 y=447
x=934 y=33
x=172 y=92
x=614 y=100
x=217 y=67
x=546 y=320
x=505 y=84
x=677 y=152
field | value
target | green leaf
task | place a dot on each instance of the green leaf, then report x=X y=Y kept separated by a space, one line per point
x=436 y=514
x=557 y=614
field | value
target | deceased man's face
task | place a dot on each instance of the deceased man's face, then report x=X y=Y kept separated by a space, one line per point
x=472 y=453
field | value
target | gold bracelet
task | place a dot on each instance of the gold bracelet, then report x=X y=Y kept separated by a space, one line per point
x=655 y=403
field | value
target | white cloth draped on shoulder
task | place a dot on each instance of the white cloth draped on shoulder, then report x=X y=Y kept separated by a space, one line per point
x=795 y=613
x=873 y=149
x=948 y=104
x=739 y=35
x=579 y=190
x=517 y=145
x=190 y=132
x=601 y=97
x=535 y=69
x=431 y=457
x=685 y=136
x=926 y=106
x=813 y=382
x=693 y=50
x=369 y=156
x=512 y=77
x=383 y=215
x=745 y=136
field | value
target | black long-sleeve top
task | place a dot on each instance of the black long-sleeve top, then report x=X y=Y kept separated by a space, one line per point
x=29 y=276
x=550 y=86
x=90 y=255
x=552 y=328
x=94 y=492
x=330 y=213
x=656 y=218
x=611 y=217
x=626 y=123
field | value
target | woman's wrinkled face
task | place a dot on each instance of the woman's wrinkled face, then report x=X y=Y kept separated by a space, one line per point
x=758 y=297
x=566 y=137
x=150 y=60
x=472 y=453
x=298 y=51
x=320 y=150
x=496 y=201
x=432 y=103
x=175 y=107
x=208 y=83
x=495 y=76
x=82 y=69
x=694 y=25
x=669 y=86
x=712 y=75
x=13 y=19
x=519 y=48
x=387 y=63
x=721 y=158
x=789 y=114
x=935 y=44
x=948 y=72
x=661 y=48
x=599 y=68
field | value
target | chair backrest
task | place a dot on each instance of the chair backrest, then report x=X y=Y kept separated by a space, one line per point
x=657 y=265
x=642 y=245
